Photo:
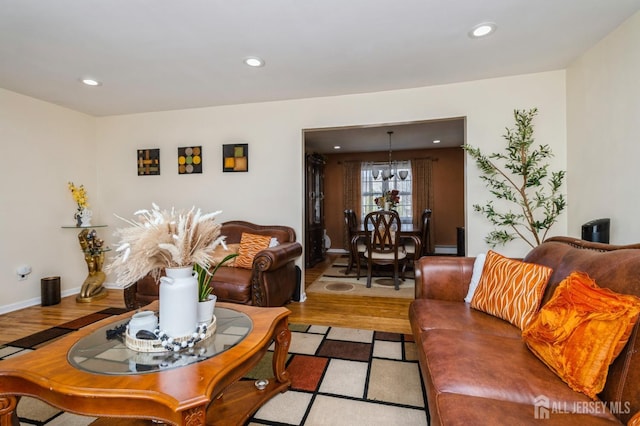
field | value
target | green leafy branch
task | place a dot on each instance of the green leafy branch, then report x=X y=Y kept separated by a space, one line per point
x=524 y=180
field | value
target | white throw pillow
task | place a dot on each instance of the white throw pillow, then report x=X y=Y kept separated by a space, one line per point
x=274 y=242
x=478 y=265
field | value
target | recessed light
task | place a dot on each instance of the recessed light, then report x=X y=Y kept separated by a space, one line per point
x=482 y=30
x=337 y=147
x=436 y=141
x=91 y=82
x=254 y=61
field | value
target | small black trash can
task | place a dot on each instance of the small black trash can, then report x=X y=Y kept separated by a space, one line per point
x=50 y=291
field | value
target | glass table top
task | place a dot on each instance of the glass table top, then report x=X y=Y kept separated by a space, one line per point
x=97 y=353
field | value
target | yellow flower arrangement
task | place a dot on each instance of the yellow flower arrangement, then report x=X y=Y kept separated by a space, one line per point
x=79 y=195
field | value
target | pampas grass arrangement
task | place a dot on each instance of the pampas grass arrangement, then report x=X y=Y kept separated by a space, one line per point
x=158 y=239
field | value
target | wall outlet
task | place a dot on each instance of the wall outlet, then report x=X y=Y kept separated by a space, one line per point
x=23 y=271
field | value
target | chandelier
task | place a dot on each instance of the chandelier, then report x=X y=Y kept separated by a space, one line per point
x=390 y=171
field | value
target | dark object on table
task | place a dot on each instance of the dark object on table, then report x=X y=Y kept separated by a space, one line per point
x=145 y=335
x=117 y=332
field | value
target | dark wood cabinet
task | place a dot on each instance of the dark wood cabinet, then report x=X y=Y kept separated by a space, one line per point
x=314 y=211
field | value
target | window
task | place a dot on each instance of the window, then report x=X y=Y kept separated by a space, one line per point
x=372 y=188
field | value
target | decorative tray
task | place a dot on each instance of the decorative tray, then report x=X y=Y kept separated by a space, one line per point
x=146 y=345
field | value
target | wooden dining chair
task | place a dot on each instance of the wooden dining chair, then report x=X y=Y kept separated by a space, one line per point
x=382 y=235
x=355 y=240
x=417 y=246
x=412 y=245
x=425 y=225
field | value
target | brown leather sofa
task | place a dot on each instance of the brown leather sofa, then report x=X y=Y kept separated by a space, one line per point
x=478 y=370
x=272 y=281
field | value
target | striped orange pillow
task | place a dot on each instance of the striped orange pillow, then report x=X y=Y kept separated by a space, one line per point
x=250 y=245
x=510 y=289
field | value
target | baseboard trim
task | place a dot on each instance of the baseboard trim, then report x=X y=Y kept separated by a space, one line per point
x=5 y=309
x=446 y=250
x=337 y=251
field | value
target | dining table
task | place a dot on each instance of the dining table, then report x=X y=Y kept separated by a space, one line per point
x=406 y=229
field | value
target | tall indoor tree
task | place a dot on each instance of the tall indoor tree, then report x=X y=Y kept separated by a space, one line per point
x=521 y=176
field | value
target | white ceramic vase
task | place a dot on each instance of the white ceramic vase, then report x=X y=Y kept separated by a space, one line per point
x=179 y=302
x=205 y=310
x=143 y=320
x=85 y=217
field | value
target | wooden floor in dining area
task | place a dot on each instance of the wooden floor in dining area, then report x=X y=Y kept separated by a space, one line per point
x=372 y=313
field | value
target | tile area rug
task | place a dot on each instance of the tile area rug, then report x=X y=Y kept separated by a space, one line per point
x=335 y=280
x=340 y=376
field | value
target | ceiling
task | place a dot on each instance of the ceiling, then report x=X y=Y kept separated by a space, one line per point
x=155 y=55
x=418 y=135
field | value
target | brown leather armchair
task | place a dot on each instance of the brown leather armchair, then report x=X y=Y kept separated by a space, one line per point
x=272 y=281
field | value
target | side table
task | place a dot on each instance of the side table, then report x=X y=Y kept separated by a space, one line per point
x=93 y=249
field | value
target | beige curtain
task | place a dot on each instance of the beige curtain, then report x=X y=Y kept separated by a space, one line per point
x=423 y=194
x=351 y=198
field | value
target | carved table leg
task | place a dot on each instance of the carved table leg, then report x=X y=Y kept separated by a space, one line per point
x=8 y=416
x=282 y=342
x=195 y=416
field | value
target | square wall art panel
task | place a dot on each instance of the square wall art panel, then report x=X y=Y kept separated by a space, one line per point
x=148 y=162
x=235 y=157
x=189 y=160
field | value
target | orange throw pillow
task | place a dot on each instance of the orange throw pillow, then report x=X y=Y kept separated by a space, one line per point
x=250 y=245
x=510 y=289
x=581 y=330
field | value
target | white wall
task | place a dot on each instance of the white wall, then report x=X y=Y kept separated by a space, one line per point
x=42 y=146
x=101 y=154
x=272 y=191
x=603 y=117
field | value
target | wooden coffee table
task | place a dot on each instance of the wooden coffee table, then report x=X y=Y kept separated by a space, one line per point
x=180 y=395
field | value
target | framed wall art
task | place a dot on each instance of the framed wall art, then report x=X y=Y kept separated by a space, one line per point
x=189 y=160
x=148 y=162
x=235 y=157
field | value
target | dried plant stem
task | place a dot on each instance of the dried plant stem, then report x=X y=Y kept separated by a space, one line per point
x=158 y=239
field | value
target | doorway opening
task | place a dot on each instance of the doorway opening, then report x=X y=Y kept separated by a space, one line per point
x=439 y=140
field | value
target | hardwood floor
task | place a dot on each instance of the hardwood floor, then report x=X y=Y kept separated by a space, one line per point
x=371 y=313
x=24 y=322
